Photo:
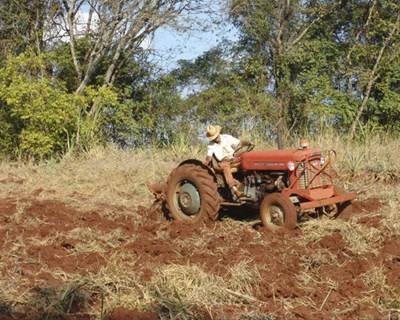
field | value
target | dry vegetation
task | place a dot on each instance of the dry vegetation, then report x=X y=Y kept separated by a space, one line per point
x=78 y=242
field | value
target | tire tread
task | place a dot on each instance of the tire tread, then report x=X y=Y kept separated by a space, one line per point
x=207 y=187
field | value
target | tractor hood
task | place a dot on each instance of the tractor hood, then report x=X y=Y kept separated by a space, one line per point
x=276 y=159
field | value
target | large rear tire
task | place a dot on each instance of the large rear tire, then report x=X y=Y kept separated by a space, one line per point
x=277 y=212
x=192 y=194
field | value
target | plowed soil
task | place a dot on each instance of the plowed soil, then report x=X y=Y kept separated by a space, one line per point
x=290 y=268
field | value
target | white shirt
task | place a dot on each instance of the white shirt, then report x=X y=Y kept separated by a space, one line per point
x=224 y=149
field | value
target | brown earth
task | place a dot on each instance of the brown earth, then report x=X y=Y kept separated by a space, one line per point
x=155 y=241
x=125 y=314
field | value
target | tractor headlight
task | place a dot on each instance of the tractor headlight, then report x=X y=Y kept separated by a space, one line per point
x=291 y=165
x=322 y=161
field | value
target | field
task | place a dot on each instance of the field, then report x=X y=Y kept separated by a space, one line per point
x=80 y=240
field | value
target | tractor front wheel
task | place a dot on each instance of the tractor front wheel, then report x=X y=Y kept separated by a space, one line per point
x=192 y=194
x=278 y=212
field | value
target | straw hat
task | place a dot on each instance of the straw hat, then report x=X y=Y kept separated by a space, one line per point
x=213 y=132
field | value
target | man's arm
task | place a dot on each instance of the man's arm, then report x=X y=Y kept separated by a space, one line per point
x=210 y=152
x=244 y=143
x=236 y=143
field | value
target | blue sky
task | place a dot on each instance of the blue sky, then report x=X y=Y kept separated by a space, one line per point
x=170 y=45
x=183 y=46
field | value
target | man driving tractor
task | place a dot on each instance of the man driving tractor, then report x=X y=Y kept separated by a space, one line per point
x=286 y=185
x=222 y=148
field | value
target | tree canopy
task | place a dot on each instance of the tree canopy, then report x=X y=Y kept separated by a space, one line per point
x=76 y=73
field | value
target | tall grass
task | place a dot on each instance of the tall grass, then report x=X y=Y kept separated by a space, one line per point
x=121 y=176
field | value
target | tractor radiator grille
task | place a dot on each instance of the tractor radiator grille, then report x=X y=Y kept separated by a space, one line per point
x=303 y=181
x=308 y=174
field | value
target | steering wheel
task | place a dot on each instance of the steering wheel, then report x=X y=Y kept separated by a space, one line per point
x=243 y=149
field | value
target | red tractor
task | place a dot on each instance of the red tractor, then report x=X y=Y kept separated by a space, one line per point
x=286 y=185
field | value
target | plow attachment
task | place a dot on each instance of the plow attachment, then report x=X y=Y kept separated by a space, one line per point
x=327 y=202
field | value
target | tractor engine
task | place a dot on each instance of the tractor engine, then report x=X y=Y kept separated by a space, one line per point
x=273 y=171
x=257 y=184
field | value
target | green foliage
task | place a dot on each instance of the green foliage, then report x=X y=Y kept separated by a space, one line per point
x=22 y=25
x=101 y=117
x=235 y=107
x=7 y=133
x=314 y=61
x=158 y=112
x=42 y=119
x=39 y=111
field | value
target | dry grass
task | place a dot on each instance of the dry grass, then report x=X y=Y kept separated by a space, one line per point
x=380 y=293
x=310 y=277
x=113 y=183
x=359 y=239
x=391 y=221
x=319 y=258
x=105 y=176
x=183 y=289
x=91 y=240
x=180 y=291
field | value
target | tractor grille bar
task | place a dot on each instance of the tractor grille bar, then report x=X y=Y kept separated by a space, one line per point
x=309 y=173
x=303 y=181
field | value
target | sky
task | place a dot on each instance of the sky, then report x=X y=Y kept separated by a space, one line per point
x=173 y=45
x=170 y=46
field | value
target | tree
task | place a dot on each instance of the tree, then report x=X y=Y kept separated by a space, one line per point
x=116 y=30
x=26 y=24
x=38 y=116
x=221 y=89
x=376 y=45
x=273 y=31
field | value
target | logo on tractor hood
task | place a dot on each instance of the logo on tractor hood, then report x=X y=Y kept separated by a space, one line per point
x=269 y=164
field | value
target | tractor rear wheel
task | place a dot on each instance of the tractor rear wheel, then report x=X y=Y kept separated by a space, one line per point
x=278 y=212
x=192 y=194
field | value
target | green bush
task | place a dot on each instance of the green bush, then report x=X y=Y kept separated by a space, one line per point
x=41 y=119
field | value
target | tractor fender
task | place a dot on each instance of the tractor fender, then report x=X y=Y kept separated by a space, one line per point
x=200 y=164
